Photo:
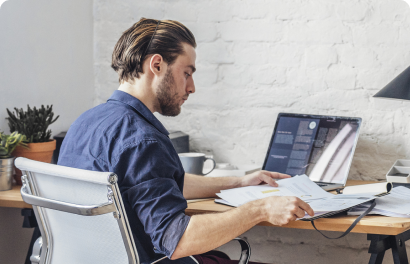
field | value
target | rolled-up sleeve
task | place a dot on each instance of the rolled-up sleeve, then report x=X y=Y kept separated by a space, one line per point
x=149 y=182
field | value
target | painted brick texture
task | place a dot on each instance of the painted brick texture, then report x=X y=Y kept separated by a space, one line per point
x=258 y=58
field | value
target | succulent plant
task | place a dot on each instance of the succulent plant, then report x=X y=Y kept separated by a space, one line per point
x=9 y=142
x=32 y=123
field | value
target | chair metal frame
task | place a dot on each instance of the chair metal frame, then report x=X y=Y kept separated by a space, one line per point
x=30 y=193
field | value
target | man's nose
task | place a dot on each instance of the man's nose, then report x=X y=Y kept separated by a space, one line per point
x=191 y=87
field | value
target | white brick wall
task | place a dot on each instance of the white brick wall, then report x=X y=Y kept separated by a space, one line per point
x=258 y=58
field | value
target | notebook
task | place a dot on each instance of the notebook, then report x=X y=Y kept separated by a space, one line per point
x=321 y=147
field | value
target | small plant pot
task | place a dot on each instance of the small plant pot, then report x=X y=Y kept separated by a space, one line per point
x=6 y=173
x=36 y=151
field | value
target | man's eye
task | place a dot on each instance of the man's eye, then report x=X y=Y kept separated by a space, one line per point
x=187 y=75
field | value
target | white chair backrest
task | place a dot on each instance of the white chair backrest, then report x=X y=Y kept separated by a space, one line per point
x=70 y=237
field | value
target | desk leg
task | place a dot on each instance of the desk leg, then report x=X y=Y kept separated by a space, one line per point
x=380 y=243
x=376 y=258
x=378 y=246
x=399 y=250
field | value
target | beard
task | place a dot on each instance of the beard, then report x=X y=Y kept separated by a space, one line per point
x=167 y=96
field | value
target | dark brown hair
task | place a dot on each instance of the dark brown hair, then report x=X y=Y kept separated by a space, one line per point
x=146 y=37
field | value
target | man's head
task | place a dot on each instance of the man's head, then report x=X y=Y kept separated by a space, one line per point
x=163 y=50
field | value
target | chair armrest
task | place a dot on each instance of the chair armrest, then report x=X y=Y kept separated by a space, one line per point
x=36 y=253
x=245 y=250
x=86 y=210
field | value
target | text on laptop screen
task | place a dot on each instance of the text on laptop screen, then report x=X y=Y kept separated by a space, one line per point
x=321 y=147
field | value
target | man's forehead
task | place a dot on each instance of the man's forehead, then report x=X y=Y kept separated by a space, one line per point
x=187 y=59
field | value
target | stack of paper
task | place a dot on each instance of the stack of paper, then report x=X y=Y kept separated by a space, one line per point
x=396 y=204
x=322 y=202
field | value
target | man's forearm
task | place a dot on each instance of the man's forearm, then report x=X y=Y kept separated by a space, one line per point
x=207 y=232
x=203 y=187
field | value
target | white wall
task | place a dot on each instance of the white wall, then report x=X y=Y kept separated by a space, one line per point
x=257 y=58
x=45 y=58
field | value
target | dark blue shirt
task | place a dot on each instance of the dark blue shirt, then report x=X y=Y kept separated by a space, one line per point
x=124 y=137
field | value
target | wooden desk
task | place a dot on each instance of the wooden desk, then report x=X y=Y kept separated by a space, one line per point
x=382 y=225
x=12 y=198
x=384 y=232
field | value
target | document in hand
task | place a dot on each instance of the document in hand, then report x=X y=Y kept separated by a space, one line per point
x=395 y=204
x=322 y=202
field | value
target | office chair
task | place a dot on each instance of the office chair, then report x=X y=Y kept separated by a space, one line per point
x=81 y=216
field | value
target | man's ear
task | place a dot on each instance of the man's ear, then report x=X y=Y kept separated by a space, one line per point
x=157 y=64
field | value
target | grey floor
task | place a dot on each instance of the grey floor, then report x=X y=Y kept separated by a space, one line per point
x=14 y=240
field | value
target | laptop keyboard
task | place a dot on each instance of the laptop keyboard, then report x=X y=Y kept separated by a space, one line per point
x=321 y=184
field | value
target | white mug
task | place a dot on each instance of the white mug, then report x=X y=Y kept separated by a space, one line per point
x=194 y=162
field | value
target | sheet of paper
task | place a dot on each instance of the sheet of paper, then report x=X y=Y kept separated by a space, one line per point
x=398 y=201
x=395 y=204
x=299 y=186
x=336 y=204
x=222 y=201
x=357 y=210
x=239 y=196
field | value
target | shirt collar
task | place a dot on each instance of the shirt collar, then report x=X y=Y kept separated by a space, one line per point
x=139 y=106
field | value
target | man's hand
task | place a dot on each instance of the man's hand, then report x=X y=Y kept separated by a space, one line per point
x=280 y=210
x=203 y=187
x=208 y=231
x=262 y=177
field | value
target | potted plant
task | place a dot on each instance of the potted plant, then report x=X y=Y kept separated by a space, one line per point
x=33 y=123
x=7 y=145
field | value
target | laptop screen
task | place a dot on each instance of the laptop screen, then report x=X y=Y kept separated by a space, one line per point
x=321 y=147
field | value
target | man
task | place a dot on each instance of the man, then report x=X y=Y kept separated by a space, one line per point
x=155 y=61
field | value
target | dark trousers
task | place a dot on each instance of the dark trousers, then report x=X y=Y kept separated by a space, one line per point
x=217 y=257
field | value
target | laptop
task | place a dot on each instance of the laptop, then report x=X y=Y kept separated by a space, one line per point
x=322 y=147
